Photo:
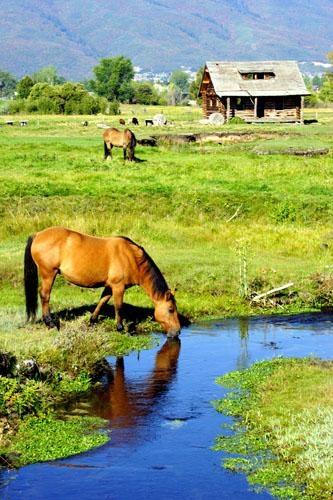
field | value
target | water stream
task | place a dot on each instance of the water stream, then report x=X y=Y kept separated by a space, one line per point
x=161 y=419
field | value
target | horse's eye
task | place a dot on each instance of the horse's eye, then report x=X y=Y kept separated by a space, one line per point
x=171 y=310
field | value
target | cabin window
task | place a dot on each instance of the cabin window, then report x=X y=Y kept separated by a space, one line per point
x=260 y=75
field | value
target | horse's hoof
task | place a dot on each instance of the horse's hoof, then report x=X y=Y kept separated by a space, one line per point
x=50 y=323
x=92 y=321
x=120 y=328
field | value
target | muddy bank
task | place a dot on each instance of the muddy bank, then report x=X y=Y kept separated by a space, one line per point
x=202 y=137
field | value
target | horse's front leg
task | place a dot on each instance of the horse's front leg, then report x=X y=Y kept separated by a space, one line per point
x=125 y=152
x=45 y=293
x=118 y=297
x=105 y=297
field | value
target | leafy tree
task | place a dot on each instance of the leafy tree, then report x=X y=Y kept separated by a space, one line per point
x=181 y=80
x=113 y=77
x=49 y=75
x=174 y=95
x=145 y=93
x=69 y=98
x=24 y=87
x=7 y=84
x=326 y=91
x=317 y=81
x=195 y=85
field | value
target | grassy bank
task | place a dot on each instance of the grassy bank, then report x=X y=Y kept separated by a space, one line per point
x=283 y=434
x=36 y=397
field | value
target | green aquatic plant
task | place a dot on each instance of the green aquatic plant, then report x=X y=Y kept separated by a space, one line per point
x=283 y=429
x=49 y=438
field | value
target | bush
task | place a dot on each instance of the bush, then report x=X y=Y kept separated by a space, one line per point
x=69 y=98
x=236 y=120
x=113 y=108
x=16 y=106
x=47 y=106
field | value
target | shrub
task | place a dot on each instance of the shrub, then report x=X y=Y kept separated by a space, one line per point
x=236 y=120
x=16 y=106
x=113 y=108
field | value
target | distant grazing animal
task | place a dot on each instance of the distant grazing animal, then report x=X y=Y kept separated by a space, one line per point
x=135 y=121
x=85 y=123
x=149 y=122
x=119 y=138
x=115 y=263
x=122 y=121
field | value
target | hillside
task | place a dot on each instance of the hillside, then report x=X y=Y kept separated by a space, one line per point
x=159 y=34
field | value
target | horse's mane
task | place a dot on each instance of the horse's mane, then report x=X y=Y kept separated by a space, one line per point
x=149 y=268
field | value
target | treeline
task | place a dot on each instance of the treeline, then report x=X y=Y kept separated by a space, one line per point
x=46 y=92
x=321 y=87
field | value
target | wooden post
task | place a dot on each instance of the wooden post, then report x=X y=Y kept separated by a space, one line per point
x=255 y=111
x=302 y=110
x=204 y=103
x=228 y=109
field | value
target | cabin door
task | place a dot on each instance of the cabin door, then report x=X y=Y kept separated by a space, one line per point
x=261 y=107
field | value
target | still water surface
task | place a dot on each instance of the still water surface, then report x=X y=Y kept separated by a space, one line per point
x=161 y=419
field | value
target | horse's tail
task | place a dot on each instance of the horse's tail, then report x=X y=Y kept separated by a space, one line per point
x=133 y=140
x=30 y=282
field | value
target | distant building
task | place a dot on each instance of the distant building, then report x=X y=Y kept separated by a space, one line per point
x=257 y=91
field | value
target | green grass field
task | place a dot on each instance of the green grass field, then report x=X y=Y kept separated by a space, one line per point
x=179 y=203
x=220 y=221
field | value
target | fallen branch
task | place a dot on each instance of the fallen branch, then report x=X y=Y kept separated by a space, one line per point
x=273 y=291
x=235 y=214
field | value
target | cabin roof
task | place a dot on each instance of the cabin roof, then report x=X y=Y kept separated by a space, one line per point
x=227 y=78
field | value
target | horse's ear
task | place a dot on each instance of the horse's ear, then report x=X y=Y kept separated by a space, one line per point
x=168 y=295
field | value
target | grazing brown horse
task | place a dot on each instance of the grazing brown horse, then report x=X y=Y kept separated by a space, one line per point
x=115 y=263
x=119 y=138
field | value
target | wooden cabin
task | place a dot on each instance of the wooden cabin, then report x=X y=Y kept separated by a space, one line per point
x=257 y=91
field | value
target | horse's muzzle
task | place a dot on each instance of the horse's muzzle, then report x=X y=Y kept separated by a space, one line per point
x=171 y=334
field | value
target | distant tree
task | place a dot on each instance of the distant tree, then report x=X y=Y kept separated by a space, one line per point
x=317 y=81
x=174 y=95
x=48 y=74
x=145 y=93
x=113 y=77
x=181 y=80
x=195 y=85
x=326 y=91
x=7 y=84
x=69 y=98
x=24 y=87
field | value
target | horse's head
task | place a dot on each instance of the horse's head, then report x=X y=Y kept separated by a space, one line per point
x=166 y=314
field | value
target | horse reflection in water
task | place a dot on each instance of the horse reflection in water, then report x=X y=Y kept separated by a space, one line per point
x=126 y=403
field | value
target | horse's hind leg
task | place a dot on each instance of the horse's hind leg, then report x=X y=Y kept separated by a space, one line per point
x=118 y=296
x=125 y=152
x=107 y=150
x=45 y=292
x=105 y=297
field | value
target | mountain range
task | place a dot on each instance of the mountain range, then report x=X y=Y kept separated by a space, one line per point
x=159 y=34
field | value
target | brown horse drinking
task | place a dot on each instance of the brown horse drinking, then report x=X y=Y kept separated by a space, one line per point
x=114 y=263
x=119 y=138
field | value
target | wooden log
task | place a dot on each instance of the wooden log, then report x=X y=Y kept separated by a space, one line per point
x=302 y=110
x=228 y=109
x=272 y=292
